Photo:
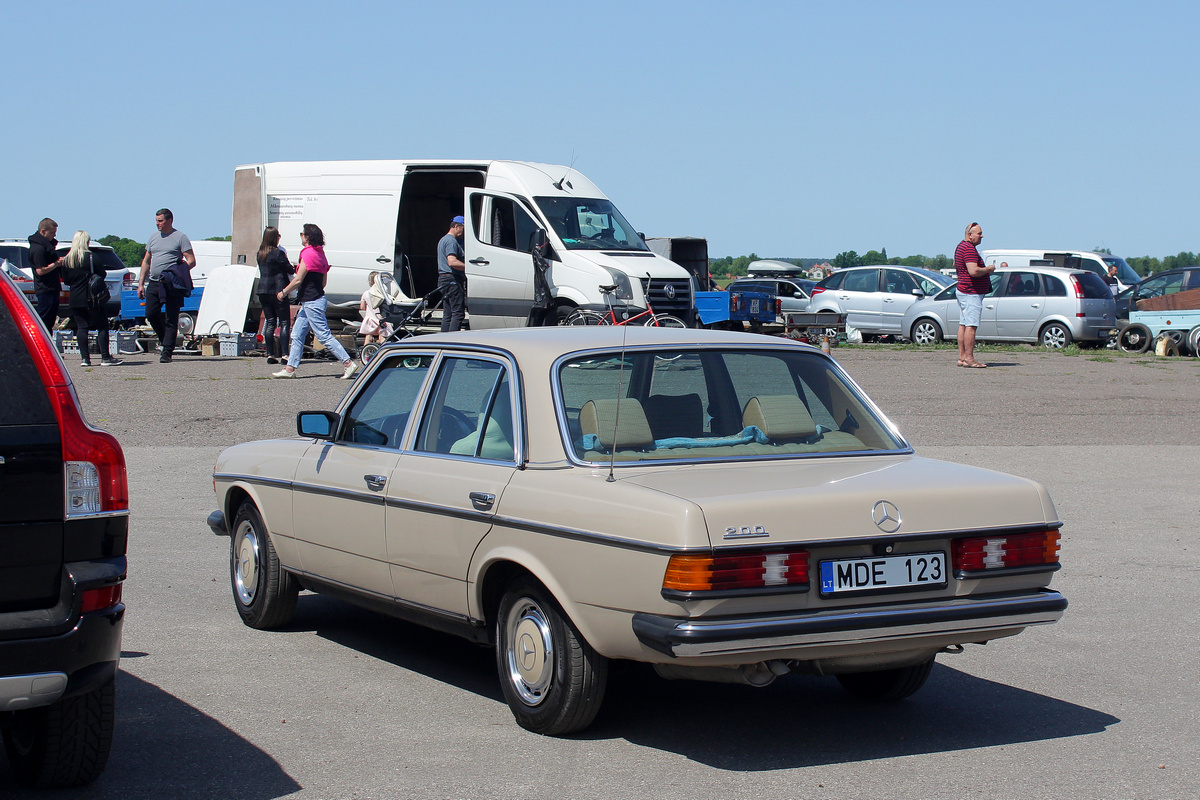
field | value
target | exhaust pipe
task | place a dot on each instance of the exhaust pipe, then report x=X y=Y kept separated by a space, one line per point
x=761 y=674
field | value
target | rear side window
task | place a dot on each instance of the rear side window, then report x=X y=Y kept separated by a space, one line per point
x=1094 y=287
x=25 y=400
x=862 y=280
x=834 y=281
x=1054 y=287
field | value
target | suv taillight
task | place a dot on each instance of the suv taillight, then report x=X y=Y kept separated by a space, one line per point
x=128 y=282
x=93 y=464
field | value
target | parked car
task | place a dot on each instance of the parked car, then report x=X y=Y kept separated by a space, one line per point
x=724 y=506
x=19 y=278
x=792 y=293
x=63 y=523
x=1098 y=263
x=1160 y=283
x=1050 y=305
x=874 y=299
x=16 y=253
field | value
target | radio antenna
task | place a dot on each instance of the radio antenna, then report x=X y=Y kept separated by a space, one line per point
x=570 y=168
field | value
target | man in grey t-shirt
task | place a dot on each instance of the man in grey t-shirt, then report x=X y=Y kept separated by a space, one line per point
x=166 y=247
x=452 y=276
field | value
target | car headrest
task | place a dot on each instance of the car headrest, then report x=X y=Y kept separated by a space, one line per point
x=631 y=431
x=779 y=416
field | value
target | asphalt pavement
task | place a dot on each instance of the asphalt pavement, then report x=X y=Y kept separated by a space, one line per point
x=348 y=704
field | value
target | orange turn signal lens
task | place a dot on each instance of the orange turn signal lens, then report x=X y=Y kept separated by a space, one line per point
x=1002 y=552
x=688 y=572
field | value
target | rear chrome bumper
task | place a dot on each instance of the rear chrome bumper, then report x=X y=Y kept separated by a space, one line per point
x=973 y=618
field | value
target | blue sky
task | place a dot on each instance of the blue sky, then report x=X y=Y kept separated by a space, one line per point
x=786 y=129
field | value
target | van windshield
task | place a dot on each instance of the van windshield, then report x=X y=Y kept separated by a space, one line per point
x=1125 y=273
x=589 y=224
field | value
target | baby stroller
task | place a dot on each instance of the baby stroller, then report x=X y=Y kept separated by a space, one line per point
x=399 y=312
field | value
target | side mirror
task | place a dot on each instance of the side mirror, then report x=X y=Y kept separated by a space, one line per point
x=537 y=240
x=798 y=295
x=918 y=293
x=316 y=424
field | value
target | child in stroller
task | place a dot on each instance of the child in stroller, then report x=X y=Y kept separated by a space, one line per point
x=395 y=312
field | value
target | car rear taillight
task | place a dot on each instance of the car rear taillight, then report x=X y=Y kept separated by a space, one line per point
x=778 y=307
x=816 y=291
x=128 y=282
x=687 y=572
x=1005 y=552
x=1075 y=282
x=102 y=598
x=93 y=465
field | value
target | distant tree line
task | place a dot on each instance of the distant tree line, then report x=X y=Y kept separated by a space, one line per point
x=736 y=265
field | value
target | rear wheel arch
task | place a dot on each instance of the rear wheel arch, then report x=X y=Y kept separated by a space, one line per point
x=502 y=569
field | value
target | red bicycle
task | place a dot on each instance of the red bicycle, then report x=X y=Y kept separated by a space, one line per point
x=584 y=316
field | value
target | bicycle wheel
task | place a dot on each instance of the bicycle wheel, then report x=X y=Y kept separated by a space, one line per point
x=668 y=321
x=582 y=316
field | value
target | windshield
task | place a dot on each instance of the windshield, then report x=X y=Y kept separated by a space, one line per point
x=589 y=224
x=714 y=404
x=1125 y=273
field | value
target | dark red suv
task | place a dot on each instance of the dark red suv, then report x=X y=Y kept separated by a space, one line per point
x=64 y=521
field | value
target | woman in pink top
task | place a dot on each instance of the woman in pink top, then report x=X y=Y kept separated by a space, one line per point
x=310 y=278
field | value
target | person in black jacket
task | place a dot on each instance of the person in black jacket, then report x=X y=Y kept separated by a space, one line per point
x=274 y=273
x=78 y=268
x=47 y=280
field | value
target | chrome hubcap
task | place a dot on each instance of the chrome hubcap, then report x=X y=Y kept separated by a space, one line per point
x=245 y=562
x=529 y=651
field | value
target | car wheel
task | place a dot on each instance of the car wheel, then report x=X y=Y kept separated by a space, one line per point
x=1178 y=337
x=1056 y=336
x=1193 y=341
x=187 y=324
x=264 y=593
x=926 y=331
x=552 y=679
x=368 y=352
x=63 y=744
x=887 y=684
x=1134 y=338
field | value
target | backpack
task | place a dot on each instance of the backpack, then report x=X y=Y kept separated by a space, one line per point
x=98 y=294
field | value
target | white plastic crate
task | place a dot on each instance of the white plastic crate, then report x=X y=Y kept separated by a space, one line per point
x=118 y=342
x=237 y=344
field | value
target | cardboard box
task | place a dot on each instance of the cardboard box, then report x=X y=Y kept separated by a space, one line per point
x=210 y=346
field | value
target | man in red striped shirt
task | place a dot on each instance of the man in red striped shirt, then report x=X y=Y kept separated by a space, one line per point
x=973 y=284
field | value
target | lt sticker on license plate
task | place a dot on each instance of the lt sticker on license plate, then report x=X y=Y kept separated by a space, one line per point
x=880 y=574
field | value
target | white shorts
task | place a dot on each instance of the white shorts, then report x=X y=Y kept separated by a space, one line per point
x=970 y=309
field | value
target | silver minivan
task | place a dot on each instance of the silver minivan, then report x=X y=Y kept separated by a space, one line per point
x=874 y=298
x=1051 y=305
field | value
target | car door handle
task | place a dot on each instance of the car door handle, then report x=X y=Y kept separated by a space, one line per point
x=375 y=482
x=1035 y=305
x=481 y=262
x=384 y=260
x=482 y=500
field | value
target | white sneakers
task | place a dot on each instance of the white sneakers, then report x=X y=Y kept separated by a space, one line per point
x=283 y=373
x=350 y=370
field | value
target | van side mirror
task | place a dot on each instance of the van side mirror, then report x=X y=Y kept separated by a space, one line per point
x=537 y=240
x=316 y=424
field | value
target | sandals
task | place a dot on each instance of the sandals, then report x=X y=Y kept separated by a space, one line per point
x=972 y=364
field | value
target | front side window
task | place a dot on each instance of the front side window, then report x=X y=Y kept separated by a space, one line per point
x=508 y=225
x=379 y=415
x=897 y=281
x=589 y=224
x=469 y=412
x=655 y=405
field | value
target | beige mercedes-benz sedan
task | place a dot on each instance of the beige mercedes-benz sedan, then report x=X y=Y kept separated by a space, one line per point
x=724 y=506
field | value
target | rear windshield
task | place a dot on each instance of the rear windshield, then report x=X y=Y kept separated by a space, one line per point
x=714 y=404
x=1094 y=287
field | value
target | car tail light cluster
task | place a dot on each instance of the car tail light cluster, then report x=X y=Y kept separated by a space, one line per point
x=1078 y=286
x=688 y=572
x=93 y=464
x=1004 y=552
x=816 y=291
x=128 y=282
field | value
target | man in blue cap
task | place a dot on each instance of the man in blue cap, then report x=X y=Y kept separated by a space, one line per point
x=452 y=276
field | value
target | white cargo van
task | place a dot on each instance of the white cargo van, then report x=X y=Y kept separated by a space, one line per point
x=389 y=215
x=1072 y=259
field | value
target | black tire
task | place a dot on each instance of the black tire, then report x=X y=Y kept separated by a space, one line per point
x=1055 y=336
x=887 y=684
x=925 y=331
x=1193 y=341
x=1134 y=338
x=553 y=681
x=562 y=313
x=367 y=352
x=63 y=744
x=264 y=593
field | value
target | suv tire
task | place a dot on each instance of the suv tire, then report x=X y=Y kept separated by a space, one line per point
x=63 y=744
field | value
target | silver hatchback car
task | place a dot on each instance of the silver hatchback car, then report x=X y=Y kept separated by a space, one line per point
x=875 y=298
x=1051 y=305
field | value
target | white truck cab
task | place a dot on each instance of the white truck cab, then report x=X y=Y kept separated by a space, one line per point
x=390 y=215
x=1072 y=259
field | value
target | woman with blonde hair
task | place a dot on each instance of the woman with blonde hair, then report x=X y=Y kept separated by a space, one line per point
x=79 y=269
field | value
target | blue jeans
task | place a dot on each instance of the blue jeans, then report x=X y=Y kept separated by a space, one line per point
x=312 y=315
